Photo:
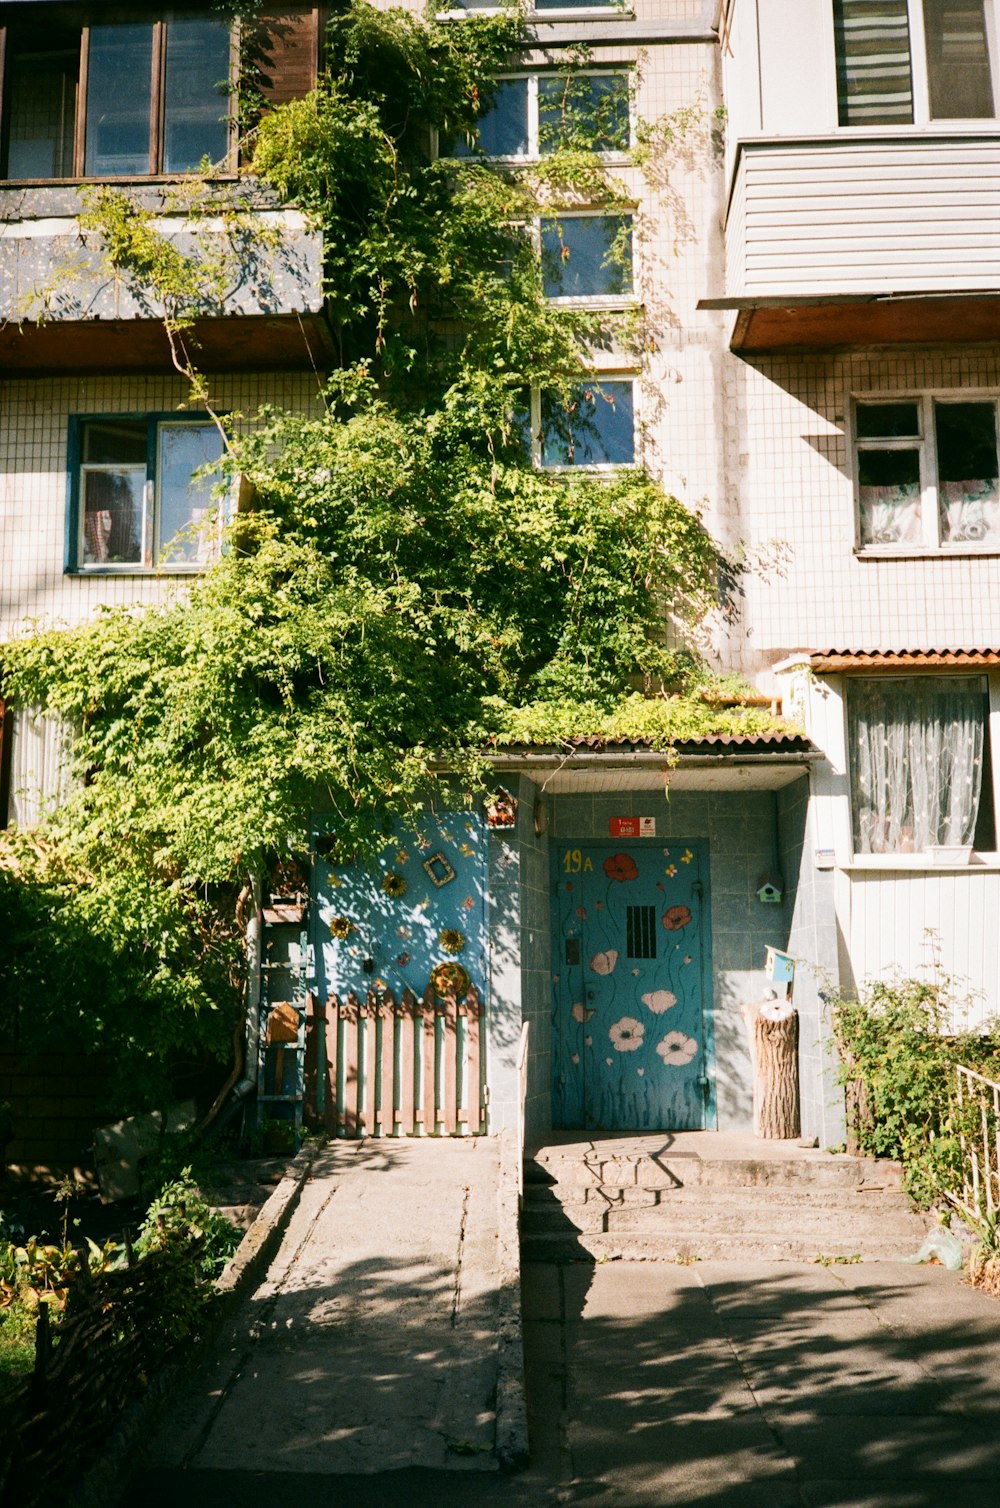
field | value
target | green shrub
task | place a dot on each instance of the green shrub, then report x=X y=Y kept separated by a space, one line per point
x=898 y=1048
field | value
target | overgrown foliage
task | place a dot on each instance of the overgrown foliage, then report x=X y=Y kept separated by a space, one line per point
x=408 y=590
x=898 y=1044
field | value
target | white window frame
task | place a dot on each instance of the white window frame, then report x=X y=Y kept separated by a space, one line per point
x=930 y=542
x=847 y=857
x=919 y=74
x=609 y=301
x=598 y=468
x=532 y=77
x=611 y=10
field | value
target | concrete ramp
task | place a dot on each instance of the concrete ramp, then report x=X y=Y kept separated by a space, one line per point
x=375 y=1341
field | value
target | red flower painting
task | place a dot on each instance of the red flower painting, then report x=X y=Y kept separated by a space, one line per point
x=621 y=867
x=676 y=917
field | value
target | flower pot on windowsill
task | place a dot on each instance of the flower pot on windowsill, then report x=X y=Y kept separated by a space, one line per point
x=948 y=855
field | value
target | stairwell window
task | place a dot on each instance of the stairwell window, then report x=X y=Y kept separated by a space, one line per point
x=928 y=474
x=133 y=96
x=592 y=426
x=903 y=62
x=587 y=256
x=533 y=114
x=138 y=502
x=920 y=763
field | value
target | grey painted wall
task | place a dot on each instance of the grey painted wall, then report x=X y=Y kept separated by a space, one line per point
x=519 y=965
x=812 y=942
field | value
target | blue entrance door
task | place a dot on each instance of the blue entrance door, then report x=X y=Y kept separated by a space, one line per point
x=630 y=1047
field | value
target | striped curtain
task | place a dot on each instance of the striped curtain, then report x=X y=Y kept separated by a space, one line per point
x=958 y=60
x=874 y=82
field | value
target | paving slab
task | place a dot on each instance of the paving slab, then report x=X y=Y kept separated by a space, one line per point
x=872 y=1386
x=371 y=1346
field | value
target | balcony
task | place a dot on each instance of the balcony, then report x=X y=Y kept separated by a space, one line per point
x=872 y=239
x=61 y=309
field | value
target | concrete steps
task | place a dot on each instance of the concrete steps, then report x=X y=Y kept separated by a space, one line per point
x=683 y=1207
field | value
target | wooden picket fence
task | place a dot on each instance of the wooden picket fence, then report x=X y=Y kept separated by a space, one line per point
x=387 y=1067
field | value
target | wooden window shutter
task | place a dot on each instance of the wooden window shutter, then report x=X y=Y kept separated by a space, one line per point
x=290 y=61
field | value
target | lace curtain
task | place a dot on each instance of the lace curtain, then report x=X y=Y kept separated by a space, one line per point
x=917 y=746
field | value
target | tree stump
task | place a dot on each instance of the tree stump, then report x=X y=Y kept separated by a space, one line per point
x=774 y=1044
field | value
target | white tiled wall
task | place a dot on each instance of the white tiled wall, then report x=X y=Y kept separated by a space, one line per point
x=34 y=427
x=805 y=587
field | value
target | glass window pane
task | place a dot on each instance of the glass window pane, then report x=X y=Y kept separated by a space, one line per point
x=887 y=421
x=502 y=130
x=958 y=60
x=889 y=497
x=112 y=524
x=596 y=427
x=917 y=751
x=968 y=493
x=587 y=256
x=119 y=81
x=590 y=110
x=184 y=506
x=118 y=441
x=41 y=108
x=874 y=85
x=196 y=94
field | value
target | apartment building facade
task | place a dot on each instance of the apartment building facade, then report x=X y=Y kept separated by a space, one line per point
x=818 y=280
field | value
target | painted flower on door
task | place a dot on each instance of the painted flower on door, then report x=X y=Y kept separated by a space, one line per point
x=677 y=1049
x=621 y=867
x=676 y=917
x=659 y=1001
x=604 y=963
x=627 y=1034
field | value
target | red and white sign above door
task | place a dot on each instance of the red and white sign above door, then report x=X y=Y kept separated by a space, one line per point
x=633 y=827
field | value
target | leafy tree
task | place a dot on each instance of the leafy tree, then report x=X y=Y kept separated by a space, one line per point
x=406 y=592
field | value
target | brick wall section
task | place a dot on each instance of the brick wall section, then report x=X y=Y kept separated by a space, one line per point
x=57 y=1100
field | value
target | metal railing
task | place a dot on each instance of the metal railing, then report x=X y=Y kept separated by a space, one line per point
x=978 y=1107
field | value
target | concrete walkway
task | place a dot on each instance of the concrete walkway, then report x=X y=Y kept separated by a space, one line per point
x=868 y=1386
x=372 y=1345
x=363 y=1371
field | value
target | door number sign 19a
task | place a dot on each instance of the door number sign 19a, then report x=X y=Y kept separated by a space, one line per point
x=633 y=827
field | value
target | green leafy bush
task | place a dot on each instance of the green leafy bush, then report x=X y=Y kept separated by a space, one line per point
x=898 y=1047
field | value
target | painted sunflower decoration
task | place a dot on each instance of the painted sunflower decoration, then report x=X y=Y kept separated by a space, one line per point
x=341 y=927
x=451 y=940
x=394 y=885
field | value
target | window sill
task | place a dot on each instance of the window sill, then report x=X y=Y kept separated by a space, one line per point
x=598 y=468
x=224 y=175
x=611 y=11
x=919 y=862
x=926 y=552
x=150 y=572
x=598 y=302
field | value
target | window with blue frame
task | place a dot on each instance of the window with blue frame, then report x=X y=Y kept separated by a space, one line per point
x=142 y=493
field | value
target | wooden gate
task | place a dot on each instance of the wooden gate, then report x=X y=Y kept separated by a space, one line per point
x=387 y=1067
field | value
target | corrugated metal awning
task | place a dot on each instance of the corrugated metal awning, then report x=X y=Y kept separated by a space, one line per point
x=719 y=762
x=828 y=661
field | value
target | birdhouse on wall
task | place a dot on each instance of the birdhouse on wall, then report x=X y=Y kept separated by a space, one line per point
x=770 y=889
x=779 y=967
x=502 y=810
